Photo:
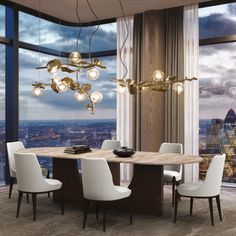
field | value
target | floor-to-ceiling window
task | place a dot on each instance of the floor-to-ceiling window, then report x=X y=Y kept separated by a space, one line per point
x=217 y=81
x=2 y=97
x=58 y=119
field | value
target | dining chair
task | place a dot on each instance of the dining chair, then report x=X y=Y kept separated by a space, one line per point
x=172 y=173
x=98 y=187
x=110 y=144
x=31 y=181
x=13 y=147
x=209 y=189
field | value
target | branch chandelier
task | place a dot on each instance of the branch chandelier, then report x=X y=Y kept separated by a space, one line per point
x=75 y=65
x=159 y=82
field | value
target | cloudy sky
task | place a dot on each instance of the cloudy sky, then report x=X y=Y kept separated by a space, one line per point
x=217 y=62
x=217 y=66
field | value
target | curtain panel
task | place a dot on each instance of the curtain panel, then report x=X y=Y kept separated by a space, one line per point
x=191 y=98
x=125 y=107
x=174 y=103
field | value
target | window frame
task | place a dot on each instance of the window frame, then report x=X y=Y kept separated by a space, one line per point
x=11 y=40
x=217 y=40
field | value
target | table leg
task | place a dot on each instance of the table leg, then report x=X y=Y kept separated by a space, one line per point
x=146 y=186
x=115 y=171
x=67 y=172
x=147 y=189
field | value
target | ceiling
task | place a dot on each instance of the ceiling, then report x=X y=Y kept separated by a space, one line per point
x=105 y=9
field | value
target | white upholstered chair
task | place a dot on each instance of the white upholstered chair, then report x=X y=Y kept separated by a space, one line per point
x=31 y=181
x=13 y=147
x=98 y=186
x=172 y=173
x=110 y=144
x=210 y=188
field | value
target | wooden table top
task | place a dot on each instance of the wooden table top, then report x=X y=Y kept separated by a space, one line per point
x=142 y=158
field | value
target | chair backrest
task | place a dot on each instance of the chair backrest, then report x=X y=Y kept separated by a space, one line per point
x=172 y=148
x=213 y=180
x=12 y=147
x=97 y=179
x=29 y=173
x=110 y=144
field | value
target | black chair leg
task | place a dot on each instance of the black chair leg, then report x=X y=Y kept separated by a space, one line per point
x=48 y=174
x=130 y=210
x=191 y=206
x=211 y=210
x=20 y=195
x=34 y=201
x=173 y=190
x=11 y=187
x=48 y=178
x=176 y=205
x=177 y=184
x=27 y=197
x=104 y=217
x=62 y=201
x=218 y=206
x=97 y=210
x=85 y=213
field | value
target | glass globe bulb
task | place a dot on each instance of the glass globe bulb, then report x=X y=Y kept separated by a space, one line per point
x=93 y=74
x=121 y=89
x=217 y=82
x=178 y=87
x=53 y=70
x=96 y=97
x=56 y=79
x=158 y=75
x=80 y=96
x=62 y=87
x=37 y=91
x=74 y=57
x=53 y=66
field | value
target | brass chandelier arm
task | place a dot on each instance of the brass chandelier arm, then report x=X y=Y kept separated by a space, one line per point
x=41 y=67
x=40 y=84
x=157 y=85
x=80 y=65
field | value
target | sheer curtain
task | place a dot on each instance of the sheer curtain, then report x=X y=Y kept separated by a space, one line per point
x=125 y=101
x=174 y=102
x=191 y=94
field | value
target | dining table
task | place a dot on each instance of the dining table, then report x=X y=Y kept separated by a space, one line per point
x=146 y=184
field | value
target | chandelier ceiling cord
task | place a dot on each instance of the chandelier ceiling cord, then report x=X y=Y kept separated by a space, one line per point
x=75 y=64
x=123 y=44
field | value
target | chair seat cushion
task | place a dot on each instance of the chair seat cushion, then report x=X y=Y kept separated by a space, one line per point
x=188 y=189
x=53 y=184
x=122 y=192
x=169 y=174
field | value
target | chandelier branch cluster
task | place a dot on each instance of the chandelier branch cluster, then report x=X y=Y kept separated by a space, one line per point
x=76 y=65
x=158 y=83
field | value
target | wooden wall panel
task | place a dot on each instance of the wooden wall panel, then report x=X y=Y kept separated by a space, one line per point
x=153 y=102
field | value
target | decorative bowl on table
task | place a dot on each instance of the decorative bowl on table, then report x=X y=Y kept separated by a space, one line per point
x=124 y=152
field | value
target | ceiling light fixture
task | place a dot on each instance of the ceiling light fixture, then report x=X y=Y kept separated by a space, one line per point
x=159 y=81
x=75 y=64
